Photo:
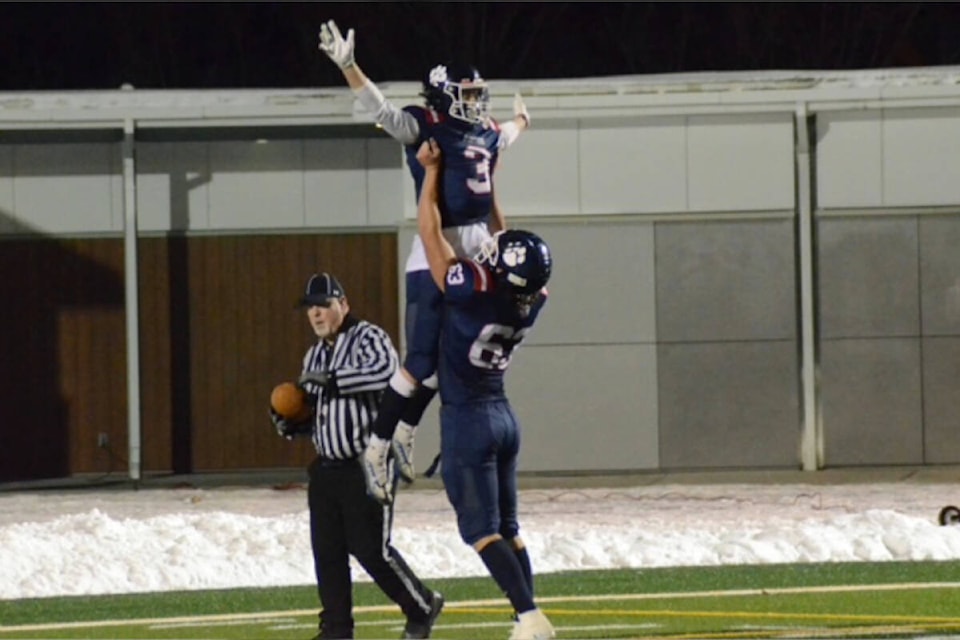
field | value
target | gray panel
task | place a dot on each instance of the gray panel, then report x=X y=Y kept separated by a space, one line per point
x=256 y=186
x=871 y=401
x=621 y=174
x=8 y=220
x=725 y=281
x=849 y=159
x=335 y=182
x=172 y=190
x=386 y=173
x=602 y=285
x=921 y=163
x=941 y=400
x=581 y=409
x=539 y=175
x=729 y=405
x=64 y=188
x=940 y=274
x=740 y=163
x=867 y=277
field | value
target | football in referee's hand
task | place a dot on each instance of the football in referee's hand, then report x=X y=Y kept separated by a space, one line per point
x=290 y=401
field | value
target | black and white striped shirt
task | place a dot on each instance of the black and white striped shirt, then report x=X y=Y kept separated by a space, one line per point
x=362 y=358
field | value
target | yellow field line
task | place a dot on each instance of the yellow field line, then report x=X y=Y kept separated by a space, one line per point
x=493 y=602
x=773 y=615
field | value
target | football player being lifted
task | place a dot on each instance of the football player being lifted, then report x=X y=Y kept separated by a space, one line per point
x=455 y=115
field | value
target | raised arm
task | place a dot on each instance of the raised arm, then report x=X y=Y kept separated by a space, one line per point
x=511 y=130
x=399 y=124
x=498 y=222
x=440 y=254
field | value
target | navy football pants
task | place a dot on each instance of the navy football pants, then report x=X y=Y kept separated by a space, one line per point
x=479 y=445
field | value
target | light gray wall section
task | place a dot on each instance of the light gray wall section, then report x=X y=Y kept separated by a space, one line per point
x=581 y=408
x=173 y=189
x=732 y=280
x=869 y=302
x=940 y=271
x=603 y=287
x=559 y=168
x=940 y=297
x=905 y=157
x=740 y=162
x=632 y=180
x=587 y=407
x=385 y=182
x=728 y=356
x=872 y=408
x=540 y=174
x=256 y=185
x=941 y=399
x=921 y=157
x=849 y=167
x=62 y=188
x=204 y=186
x=283 y=184
x=868 y=279
x=729 y=404
x=8 y=223
x=876 y=274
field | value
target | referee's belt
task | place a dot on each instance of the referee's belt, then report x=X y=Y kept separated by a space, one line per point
x=334 y=463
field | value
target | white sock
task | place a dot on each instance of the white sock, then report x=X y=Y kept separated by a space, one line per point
x=400 y=384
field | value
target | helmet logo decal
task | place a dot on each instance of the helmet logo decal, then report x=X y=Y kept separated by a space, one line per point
x=514 y=254
x=438 y=75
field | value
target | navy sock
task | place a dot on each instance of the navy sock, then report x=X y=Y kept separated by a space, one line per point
x=391 y=408
x=503 y=565
x=524 y=559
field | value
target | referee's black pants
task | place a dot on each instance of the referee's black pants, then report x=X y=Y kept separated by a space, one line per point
x=345 y=521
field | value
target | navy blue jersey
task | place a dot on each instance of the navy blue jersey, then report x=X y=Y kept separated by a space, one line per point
x=469 y=157
x=481 y=328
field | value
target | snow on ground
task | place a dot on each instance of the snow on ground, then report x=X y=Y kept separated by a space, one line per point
x=107 y=541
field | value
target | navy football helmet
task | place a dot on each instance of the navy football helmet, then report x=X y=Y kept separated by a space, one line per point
x=520 y=260
x=458 y=90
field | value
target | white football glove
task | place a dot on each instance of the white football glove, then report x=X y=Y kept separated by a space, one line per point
x=337 y=48
x=520 y=109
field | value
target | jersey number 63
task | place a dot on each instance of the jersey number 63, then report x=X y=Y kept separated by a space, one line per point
x=494 y=346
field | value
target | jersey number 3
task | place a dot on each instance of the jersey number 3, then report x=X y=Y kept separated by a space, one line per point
x=494 y=346
x=482 y=183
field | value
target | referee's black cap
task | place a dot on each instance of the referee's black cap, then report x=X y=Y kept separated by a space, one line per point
x=320 y=289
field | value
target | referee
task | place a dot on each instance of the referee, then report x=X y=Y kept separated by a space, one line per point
x=345 y=373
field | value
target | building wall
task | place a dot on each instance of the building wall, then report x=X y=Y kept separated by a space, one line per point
x=671 y=339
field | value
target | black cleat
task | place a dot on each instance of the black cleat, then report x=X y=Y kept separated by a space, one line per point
x=422 y=629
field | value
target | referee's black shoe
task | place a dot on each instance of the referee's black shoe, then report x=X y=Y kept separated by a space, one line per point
x=422 y=629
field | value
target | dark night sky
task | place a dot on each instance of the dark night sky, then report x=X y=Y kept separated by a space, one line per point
x=182 y=45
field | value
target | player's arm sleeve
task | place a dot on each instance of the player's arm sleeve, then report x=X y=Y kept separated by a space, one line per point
x=398 y=123
x=498 y=221
x=464 y=279
x=375 y=361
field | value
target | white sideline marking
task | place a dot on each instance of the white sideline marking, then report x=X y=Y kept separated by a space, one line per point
x=467 y=604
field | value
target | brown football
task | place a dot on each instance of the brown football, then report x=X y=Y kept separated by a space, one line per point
x=290 y=401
